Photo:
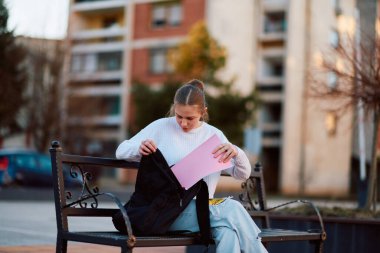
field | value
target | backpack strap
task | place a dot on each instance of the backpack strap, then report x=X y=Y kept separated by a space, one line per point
x=203 y=213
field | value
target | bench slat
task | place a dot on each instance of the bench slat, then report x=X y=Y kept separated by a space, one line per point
x=90 y=212
x=273 y=234
x=77 y=159
x=118 y=239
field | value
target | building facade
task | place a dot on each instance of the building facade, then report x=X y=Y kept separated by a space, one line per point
x=272 y=45
x=110 y=44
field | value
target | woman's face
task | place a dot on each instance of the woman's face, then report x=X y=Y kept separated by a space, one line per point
x=188 y=116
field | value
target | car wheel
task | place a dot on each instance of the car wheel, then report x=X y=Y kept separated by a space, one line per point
x=19 y=177
x=7 y=180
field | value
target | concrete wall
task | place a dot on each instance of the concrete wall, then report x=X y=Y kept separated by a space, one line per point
x=314 y=161
x=233 y=26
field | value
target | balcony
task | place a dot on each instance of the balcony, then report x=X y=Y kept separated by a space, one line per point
x=96 y=120
x=271 y=142
x=271 y=67
x=99 y=5
x=99 y=33
x=272 y=37
x=105 y=134
x=275 y=5
x=274 y=26
x=98 y=47
x=269 y=81
x=271 y=97
x=97 y=76
x=271 y=127
x=97 y=91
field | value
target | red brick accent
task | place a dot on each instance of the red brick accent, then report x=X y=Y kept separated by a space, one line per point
x=140 y=68
x=193 y=11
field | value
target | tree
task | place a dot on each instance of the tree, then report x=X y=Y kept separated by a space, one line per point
x=199 y=56
x=42 y=111
x=151 y=104
x=358 y=82
x=12 y=76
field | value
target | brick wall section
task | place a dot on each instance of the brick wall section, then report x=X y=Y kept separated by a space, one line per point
x=140 y=68
x=193 y=11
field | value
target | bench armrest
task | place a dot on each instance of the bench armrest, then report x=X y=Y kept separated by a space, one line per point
x=131 y=238
x=306 y=202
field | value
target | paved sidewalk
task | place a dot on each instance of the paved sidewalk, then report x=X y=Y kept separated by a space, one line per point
x=85 y=248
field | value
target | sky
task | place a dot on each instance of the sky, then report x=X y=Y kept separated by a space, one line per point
x=38 y=18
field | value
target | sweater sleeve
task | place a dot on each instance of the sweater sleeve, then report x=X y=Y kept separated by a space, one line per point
x=129 y=149
x=242 y=167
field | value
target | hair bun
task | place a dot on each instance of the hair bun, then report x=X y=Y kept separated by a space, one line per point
x=197 y=83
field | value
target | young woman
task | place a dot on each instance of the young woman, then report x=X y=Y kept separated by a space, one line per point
x=231 y=226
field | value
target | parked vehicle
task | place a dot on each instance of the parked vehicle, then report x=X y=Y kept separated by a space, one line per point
x=27 y=168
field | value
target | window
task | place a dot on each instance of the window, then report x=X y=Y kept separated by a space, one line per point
x=166 y=14
x=114 y=105
x=83 y=63
x=110 y=22
x=332 y=80
x=90 y=63
x=274 y=22
x=273 y=67
x=336 y=5
x=334 y=38
x=109 y=61
x=76 y=63
x=159 y=63
x=271 y=113
x=331 y=121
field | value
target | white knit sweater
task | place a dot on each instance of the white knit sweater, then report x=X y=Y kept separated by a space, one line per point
x=175 y=144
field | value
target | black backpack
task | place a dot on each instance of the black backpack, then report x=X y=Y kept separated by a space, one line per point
x=158 y=200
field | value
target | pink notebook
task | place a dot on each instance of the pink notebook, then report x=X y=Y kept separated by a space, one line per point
x=199 y=163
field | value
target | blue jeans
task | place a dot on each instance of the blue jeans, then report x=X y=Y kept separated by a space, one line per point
x=231 y=226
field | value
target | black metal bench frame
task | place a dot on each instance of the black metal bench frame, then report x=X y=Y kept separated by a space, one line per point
x=253 y=198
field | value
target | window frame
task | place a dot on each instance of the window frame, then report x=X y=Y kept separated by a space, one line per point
x=170 y=9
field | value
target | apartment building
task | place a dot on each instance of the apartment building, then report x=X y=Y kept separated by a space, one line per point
x=110 y=44
x=272 y=46
x=304 y=146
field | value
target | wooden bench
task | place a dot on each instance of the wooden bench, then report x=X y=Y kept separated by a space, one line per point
x=253 y=198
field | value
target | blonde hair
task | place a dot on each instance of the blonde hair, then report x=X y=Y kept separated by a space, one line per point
x=191 y=93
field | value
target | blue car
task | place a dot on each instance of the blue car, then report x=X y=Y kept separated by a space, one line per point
x=27 y=167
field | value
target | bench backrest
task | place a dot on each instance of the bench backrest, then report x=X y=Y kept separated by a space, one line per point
x=253 y=196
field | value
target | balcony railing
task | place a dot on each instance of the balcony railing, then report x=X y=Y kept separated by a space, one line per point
x=269 y=81
x=272 y=37
x=271 y=97
x=99 y=33
x=271 y=127
x=97 y=91
x=96 y=120
x=97 y=76
x=98 y=47
x=98 y=5
x=271 y=142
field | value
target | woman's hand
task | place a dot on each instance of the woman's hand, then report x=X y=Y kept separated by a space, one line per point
x=226 y=151
x=147 y=147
